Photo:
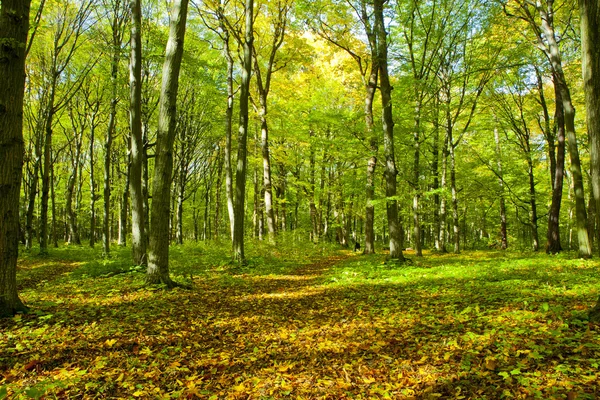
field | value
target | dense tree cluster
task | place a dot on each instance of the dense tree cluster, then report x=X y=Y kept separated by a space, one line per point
x=437 y=124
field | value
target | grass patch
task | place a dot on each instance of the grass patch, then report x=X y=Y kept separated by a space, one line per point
x=304 y=322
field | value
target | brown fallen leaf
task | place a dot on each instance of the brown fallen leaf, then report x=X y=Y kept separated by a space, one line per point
x=491 y=364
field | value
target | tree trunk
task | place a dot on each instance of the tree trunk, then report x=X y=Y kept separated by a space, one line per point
x=554 y=54
x=455 y=221
x=388 y=129
x=71 y=213
x=264 y=130
x=92 y=190
x=124 y=206
x=46 y=165
x=240 y=176
x=138 y=239
x=533 y=204
x=590 y=46
x=436 y=180
x=416 y=174
x=503 y=227
x=158 y=251
x=14 y=26
x=228 y=125
x=444 y=186
x=33 y=190
x=108 y=150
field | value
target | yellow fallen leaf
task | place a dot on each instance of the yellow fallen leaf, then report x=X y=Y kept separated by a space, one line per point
x=110 y=342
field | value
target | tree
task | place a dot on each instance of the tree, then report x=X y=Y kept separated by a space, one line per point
x=138 y=234
x=590 y=46
x=14 y=26
x=540 y=18
x=158 y=260
x=115 y=41
x=242 y=162
x=388 y=133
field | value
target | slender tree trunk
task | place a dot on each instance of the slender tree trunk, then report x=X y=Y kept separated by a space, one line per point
x=455 y=221
x=240 y=176
x=416 y=174
x=264 y=130
x=53 y=184
x=46 y=166
x=388 y=129
x=14 y=26
x=436 y=180
x=533 y=204
x=371 y=89
x=71 y=213
x=124 y=206
x=158 y=251
x=444 y=186
x=138 y=239
x=33 y=191
x=217 y=219
x=503 y=227
x=108 y=151
x=92 y=190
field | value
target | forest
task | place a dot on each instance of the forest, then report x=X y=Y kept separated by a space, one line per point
x=299 y=198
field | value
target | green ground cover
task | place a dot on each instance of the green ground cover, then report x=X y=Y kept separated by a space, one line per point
x=305 y=322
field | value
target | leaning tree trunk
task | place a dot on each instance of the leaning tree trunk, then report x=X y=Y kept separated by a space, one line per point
x=158 y=251
x=138 y=239
x=14 y=25
x=388 y=129
x=240 y=175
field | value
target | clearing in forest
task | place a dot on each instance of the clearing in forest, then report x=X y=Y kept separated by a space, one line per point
x=304 y=324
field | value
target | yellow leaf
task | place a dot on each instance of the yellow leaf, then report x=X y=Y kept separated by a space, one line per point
x=110 y=342
x=240 y=388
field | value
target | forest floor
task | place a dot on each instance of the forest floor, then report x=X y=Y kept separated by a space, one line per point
x=304 y=323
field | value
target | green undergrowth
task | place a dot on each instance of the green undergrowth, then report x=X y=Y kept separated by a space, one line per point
x=303 y=321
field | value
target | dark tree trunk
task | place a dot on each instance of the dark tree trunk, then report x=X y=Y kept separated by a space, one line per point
x=240 y=176
x=388 y=129
x=158 y=251
x=14 y=26
x=503 y=224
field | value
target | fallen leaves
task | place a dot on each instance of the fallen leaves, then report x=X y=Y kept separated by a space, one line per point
x=398 y=333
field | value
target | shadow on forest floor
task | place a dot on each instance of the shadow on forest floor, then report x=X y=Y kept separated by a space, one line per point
x=478 y=325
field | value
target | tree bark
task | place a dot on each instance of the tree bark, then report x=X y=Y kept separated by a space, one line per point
x=14 y=26
x=138 y=239
x=554 y=55
x=388 y=129
x=503 y=224
x=590 y=46
x=240 y=175
x=158 y=251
